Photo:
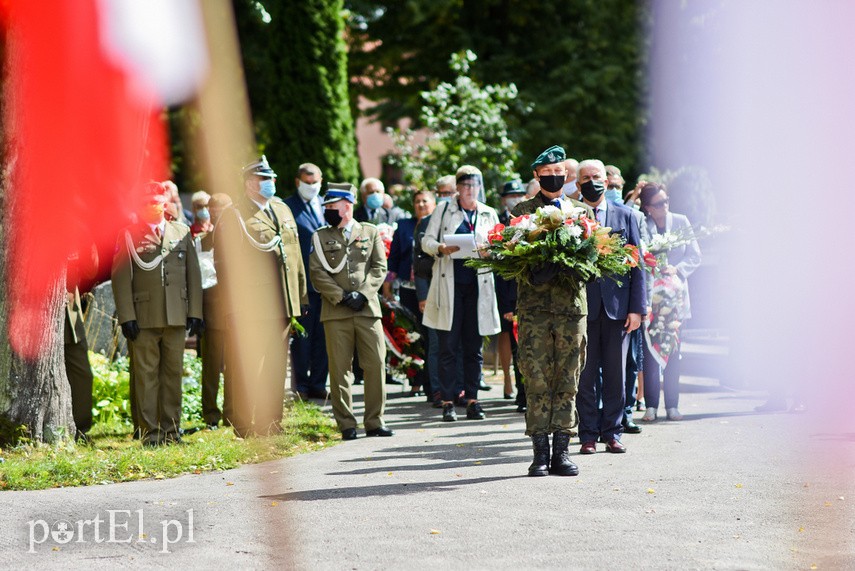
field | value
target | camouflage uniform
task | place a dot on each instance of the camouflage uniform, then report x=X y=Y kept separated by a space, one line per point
x=552 y=340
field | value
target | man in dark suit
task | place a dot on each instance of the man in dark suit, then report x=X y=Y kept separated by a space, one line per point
x=372 y=194
x=614 y=311
x=309 y=353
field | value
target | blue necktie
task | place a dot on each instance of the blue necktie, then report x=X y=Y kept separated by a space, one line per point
x=556 y=203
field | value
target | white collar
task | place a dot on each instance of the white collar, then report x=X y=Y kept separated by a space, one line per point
x=161 y=226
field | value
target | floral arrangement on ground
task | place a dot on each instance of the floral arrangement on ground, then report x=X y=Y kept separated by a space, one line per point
x=405 y=355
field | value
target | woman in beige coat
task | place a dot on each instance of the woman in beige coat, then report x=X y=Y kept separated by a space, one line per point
x=461 y=302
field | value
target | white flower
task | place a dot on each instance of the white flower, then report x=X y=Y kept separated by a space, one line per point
x=412 y=337
x=574 y=230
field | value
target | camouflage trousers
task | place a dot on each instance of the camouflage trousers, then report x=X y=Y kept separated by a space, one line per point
x=551 y=356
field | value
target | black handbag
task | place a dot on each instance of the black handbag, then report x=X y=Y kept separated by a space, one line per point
x=423 y=265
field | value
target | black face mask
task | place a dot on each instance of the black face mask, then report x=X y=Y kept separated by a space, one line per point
x=332 y=216
x=551 y=182
x=593 y=190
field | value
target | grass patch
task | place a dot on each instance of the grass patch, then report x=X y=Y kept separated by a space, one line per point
x=113 y=456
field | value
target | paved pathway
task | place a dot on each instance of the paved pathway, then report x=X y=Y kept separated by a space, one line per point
x=724 y=489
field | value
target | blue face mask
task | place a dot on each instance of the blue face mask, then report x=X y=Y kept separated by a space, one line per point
x=374 y=201
x=613 y=195
x=203 y=214
x=441 y=199
x=267 y=188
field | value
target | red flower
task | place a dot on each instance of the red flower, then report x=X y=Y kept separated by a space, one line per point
x=399 y=334
x=495 y=235
x=632 y=253
x=411 y=373
x=588 y=226
x=650 y=259
x=517 y=219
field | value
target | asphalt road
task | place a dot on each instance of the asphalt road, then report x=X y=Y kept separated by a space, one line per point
x=724 y=489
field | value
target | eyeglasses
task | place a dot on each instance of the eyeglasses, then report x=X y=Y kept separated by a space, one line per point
x=660 y=204
x=466 y=185
x=615 y=187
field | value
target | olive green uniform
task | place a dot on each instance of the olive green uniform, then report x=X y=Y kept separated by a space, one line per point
x=552 y=338
x=77 y=366
x=160 y=300
x=212 y=348
x=363 y=270
x=261 y=271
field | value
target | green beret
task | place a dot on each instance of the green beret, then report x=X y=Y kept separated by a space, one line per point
x=512 y=187
x=553 y=154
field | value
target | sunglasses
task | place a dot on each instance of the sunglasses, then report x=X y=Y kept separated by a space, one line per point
x=660 y=204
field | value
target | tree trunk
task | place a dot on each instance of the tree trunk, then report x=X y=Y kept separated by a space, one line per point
x=34 y=393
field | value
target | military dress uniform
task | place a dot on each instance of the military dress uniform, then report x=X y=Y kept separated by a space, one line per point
x=80 y=269
x=340 y=264
x=551 y=347
x=157 y=283
x=258 y=262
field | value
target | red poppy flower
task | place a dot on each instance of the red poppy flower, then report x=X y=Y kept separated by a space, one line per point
x=650 y=259
x=495 y=235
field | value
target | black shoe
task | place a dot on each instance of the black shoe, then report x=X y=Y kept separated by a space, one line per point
x=521 y=408
x=448 y=413
x=629 y=427
x=509 y=396
x=348 y=434
x=382 y=431
x=561 y=465
x=484 y=386
x=540 y=466
x=474 y=411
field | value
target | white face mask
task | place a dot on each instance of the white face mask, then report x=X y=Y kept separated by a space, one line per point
x=511 y=202
x=569 y=188
x=308 y=191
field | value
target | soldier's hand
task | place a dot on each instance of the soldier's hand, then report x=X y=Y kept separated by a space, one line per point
x=196 y=326
x=348 y=300
x=543 y=273
x=131 y=330
x=360 y=302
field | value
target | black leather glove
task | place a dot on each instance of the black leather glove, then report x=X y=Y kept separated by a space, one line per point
x=131 y=330
x=196 y=326
x=543 y=273
x=354 y=300
x=360 y=302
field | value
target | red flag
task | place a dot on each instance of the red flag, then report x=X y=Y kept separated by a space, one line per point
x=81 y=141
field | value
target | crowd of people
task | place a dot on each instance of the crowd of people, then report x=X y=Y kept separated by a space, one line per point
x=245 y=273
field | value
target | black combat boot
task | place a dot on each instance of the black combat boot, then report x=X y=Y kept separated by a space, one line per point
x=540 y=466
x=561 y=463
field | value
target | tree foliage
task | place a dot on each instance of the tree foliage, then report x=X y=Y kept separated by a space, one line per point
x=579 y=63
x=295 y=61
x=467 y=126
